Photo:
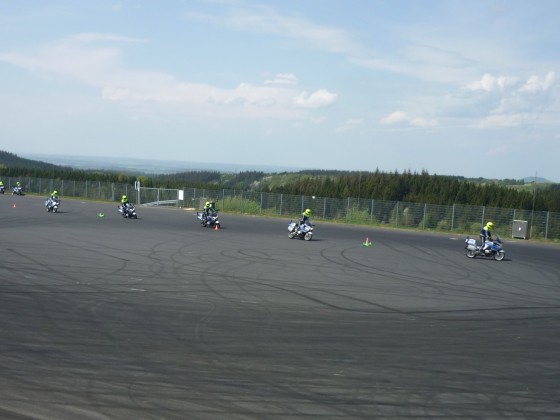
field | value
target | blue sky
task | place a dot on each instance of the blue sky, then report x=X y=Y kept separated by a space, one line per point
x=452 y=87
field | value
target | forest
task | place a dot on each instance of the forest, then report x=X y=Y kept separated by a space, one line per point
x=394 y=186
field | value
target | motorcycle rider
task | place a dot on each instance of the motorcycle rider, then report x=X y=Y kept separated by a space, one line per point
x=124 y=203
x=208 y=209
x=486 y=235
x=304 y=219
x=2 y=188
x=52 y=198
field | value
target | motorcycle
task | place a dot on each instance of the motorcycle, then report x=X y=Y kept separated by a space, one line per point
x=17 y=190
x=303 y=231
x=493 y=249
x=52 y=204
x=2 y=189
x=208 y=221
x=128 y=211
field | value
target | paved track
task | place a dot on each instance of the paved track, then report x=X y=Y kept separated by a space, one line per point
x=159 y=318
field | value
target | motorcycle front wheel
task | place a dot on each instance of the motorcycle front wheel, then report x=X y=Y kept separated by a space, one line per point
x=471 y=253
x=499 y=256
x=308 y=236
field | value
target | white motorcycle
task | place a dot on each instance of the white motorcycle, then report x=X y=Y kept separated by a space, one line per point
x=128 y=211
x=303 y=231
x=493 y=249
x=209 y=221
x=52 y=204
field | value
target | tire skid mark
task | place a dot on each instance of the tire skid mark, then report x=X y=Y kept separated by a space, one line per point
x=206 y=278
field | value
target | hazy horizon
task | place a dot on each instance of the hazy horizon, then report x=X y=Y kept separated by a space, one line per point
x=157 y=166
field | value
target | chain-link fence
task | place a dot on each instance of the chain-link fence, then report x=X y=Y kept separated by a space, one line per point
x=457 y=218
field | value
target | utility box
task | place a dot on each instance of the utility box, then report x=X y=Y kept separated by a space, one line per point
x=519 y=229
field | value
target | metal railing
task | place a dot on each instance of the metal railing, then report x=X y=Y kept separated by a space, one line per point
x=458 y=218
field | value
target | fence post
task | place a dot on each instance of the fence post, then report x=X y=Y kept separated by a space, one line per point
x=397 y=218
x=424 y=217
x=86 y=188
x=371 y=213
x=483 y=212
x=261 y=202
x=546 y=227
x=453 y=216
x=324 y=207
x=281 y=202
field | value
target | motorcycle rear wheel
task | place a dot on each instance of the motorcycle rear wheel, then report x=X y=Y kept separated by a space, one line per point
x=471 y=253
x=291 y=235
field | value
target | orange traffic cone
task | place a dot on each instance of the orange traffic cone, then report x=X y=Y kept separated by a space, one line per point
x=366 y=243
x=14 y=206
x=216 y=227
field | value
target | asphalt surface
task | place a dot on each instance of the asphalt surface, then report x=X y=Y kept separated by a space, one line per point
x=160 y=318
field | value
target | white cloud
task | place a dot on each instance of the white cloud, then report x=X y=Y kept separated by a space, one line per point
x=82 y=58
x=350 y=124
x=266 y=20
x=317 y=99
x=522 y=103
x=402 y=118
x=282 y=79
x=503 y=120
x=489 y=83
x=394 y=118
x=423 y=122
x=539 y=84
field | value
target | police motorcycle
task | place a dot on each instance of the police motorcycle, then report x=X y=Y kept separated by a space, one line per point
x=493 y=249
x=52 y=204
x=211 y=220
x=302 y=231
x=17 y=190
x=128 y=211
x=2 y=189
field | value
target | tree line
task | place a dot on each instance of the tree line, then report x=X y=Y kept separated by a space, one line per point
x=393 y=186
x=422 y=188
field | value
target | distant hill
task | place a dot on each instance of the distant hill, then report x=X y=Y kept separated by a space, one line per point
x=12 y=160
x=537 y=179
x=151 y=166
